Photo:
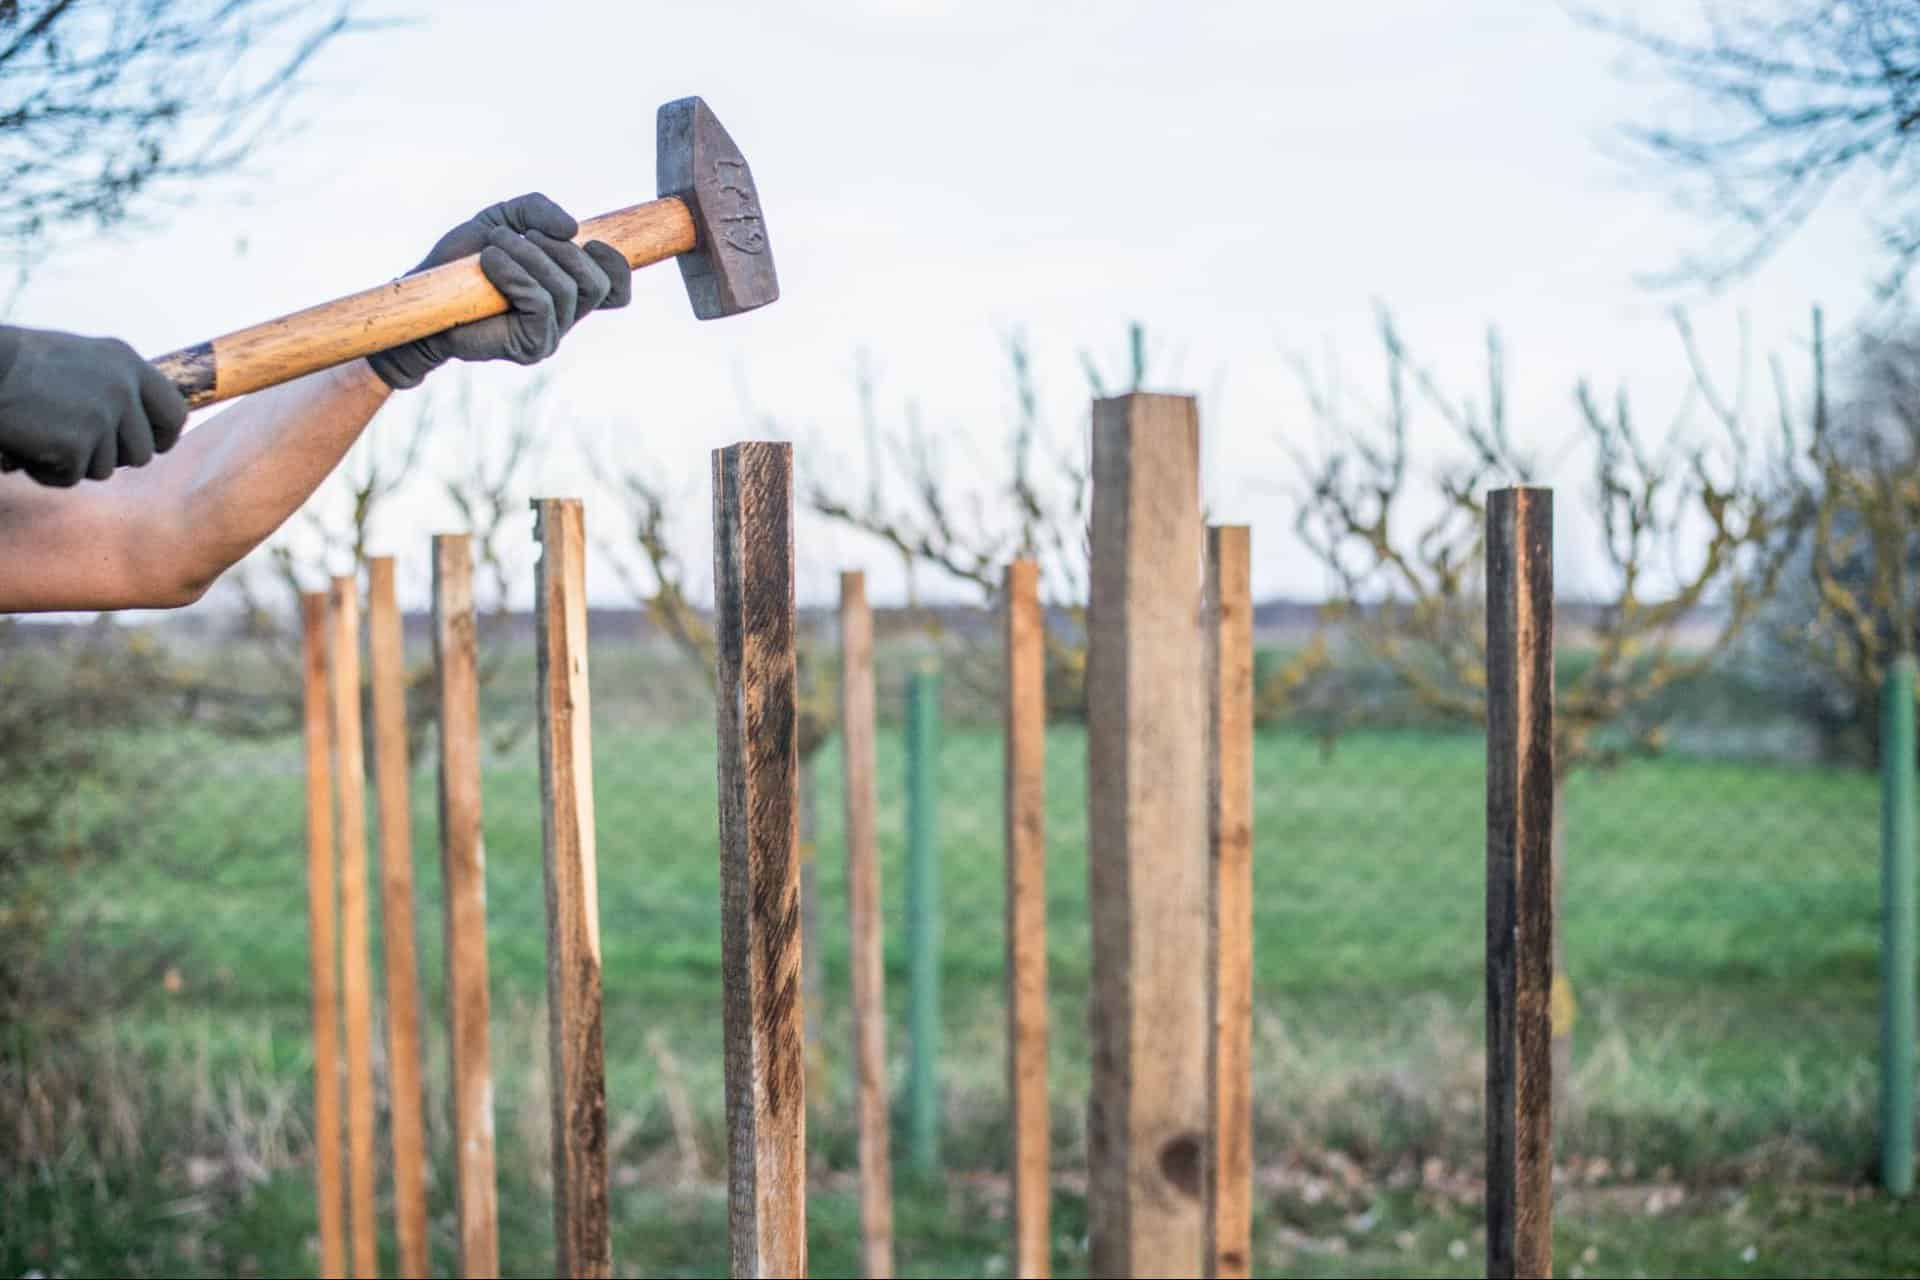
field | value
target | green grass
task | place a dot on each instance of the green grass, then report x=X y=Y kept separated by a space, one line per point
x=1720 y=925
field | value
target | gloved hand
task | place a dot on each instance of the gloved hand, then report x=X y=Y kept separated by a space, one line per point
x=73 y=406
x=526 y=249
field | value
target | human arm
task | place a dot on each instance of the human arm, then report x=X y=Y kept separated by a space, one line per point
x=157 y=536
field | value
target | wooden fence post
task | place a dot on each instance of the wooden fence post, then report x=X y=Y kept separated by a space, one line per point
x=867 y=941
x=574 y=1036
x=759 y=865
x=350 y=825
x=1520 y=857
x=323 y=942
x=1230 y=901
x=392 y=794
x=1026 y=927
x=1147 y=828
x=463 y=870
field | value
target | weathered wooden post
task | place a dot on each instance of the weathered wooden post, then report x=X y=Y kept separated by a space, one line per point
x=1230 y=901
x=1147 y=855
x=463 y=870
x=759 y=862
x=1026 y=929
x=323 y=941
x=350 y=825
x=387 y=668
x=866 y=945
x=1520 y=853
x=578 y=1071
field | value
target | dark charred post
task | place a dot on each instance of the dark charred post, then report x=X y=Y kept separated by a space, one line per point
x=1026 y=818
x=759 y=862
x=463 y=868
x=578 y=1062
x=1147 y=847
x=1519 y=883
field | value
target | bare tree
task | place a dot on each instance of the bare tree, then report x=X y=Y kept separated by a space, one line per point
x=108 y=106
x=1787 y=100
x=1849 y=607
x=1036 y=509
x=1688 y=527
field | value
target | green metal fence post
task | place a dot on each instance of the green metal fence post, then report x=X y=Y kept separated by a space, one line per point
x=1897 y=925
x=923 y=922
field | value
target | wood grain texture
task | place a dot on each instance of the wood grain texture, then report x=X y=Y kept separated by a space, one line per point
x=387 y=669
x=402 y=310
x=463 y=870
x=865 y=927
x=1230 y=901
x=1025 y=712
x=323 y=940
x=1147 y=827
x=574 y=1033
x=1520 y=852
x=759 y=866
x=356 y=981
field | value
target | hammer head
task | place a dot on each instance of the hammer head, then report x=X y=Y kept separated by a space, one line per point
x=731 y=270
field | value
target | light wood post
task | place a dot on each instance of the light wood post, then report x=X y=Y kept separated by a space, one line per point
x=1147 y=826
x=1520 y=857
x=574 y=1036
x=864 y=926
x=356 y=981
x=1230 y=901
x=323 y=940
x=463 y=869
x=759 y=864
x=1025 y=709
x=387 y=669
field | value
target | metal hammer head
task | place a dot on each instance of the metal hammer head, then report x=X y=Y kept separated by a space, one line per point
x=731 y=270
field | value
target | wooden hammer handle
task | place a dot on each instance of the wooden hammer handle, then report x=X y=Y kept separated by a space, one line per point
x=400 y=311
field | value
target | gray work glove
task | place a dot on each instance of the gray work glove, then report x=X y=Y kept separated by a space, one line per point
x=73 y=406
x=526 y=250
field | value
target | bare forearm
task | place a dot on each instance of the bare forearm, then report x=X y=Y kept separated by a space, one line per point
x=157 y=536
x=236 y=479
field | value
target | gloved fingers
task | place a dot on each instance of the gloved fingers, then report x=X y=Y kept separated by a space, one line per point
x=619 y=274
x=542 y=266
x=60 y=473
x=166 y=414
x=531 y=212
x=106 y=455
x=467 y=238
x=135 y=439
x=589 y=277
x=531 y=326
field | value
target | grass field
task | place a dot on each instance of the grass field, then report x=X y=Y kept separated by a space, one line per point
x=1720 y=922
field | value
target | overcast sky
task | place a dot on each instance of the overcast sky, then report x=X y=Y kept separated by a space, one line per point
x=1245 y=178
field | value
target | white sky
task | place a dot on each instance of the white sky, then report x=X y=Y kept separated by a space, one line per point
x=1245 y=178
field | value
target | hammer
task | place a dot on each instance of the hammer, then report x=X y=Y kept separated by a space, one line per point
x=708 y=216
